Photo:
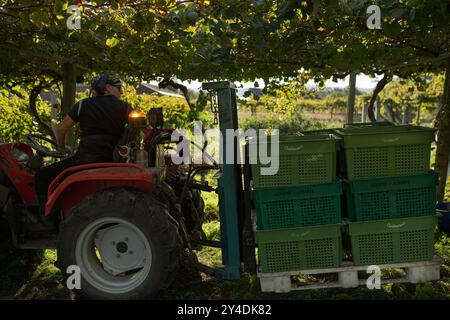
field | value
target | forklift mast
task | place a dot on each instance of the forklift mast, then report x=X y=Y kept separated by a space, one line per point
x=232 y=209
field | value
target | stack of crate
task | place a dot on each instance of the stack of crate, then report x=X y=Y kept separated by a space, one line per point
x=298 y=210
x=390 y=192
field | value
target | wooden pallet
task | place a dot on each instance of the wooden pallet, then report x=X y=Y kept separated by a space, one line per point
x=416 y=272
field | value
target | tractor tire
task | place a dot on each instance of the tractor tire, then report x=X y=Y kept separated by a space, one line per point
x=5 y=234
x=102 y=234
x=5 y=244
x=4 y=230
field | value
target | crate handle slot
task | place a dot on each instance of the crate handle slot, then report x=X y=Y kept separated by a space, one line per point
x=293 y=149
x=299 y=234
x=396 y=225
x=391 y=140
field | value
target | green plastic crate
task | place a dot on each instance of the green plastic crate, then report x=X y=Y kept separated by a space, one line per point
x=392 y=241
x=302 y=161
x=369 y=124
x=298 y=249
x=385 y=151
x=317 y=132
x=303 y=206
x=390 y=198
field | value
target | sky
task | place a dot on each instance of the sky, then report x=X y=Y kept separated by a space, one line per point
x=362 y=82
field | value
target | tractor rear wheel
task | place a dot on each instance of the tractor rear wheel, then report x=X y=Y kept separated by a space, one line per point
x=4 y=230
x=124 y=244
x=4 y=237
x=5 y=234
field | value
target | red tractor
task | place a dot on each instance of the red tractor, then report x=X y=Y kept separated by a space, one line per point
x=124 y=224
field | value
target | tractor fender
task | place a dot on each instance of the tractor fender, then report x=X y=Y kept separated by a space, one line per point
x=76 y=183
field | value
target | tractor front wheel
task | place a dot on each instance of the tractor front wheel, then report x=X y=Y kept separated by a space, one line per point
x=123 y=242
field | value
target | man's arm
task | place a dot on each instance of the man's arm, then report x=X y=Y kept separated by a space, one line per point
x=61 y=131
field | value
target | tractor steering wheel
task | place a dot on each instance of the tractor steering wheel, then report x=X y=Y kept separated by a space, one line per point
x=32 y=141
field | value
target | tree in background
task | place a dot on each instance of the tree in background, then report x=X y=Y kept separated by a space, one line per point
x=227 y=39
x=15 y=120
x=414 y=97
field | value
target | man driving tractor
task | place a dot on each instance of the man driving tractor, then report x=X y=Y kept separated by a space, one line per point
x=102 y=120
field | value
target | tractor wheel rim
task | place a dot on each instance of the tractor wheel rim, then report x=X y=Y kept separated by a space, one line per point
x=114 y=255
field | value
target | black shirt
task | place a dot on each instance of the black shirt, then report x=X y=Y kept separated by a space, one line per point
x=102 y=120
x=105 y=115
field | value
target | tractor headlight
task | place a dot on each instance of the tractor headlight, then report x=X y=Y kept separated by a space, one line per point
x=137 y=119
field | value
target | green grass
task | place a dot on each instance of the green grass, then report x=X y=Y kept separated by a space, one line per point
x=211 y=202
x=30 y=274
x=16 y=268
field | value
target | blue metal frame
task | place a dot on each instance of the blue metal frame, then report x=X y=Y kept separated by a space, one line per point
x=228 y=184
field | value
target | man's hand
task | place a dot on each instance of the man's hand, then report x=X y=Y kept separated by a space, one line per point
x=62 y=130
